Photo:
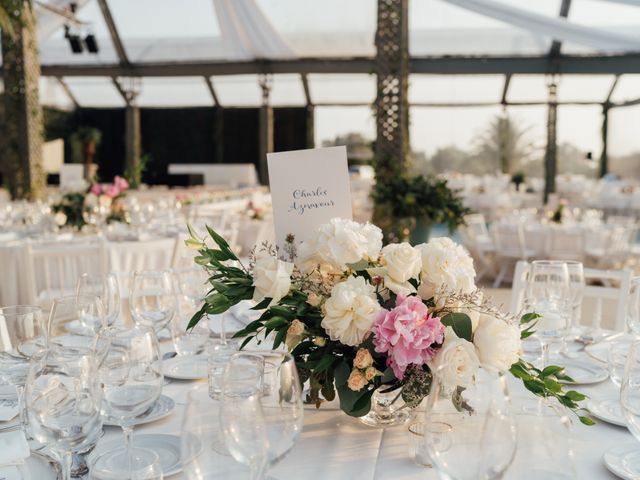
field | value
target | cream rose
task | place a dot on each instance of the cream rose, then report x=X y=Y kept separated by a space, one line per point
x=456 y=362
x=356 y=381
x=294 y=334
x=91 y=200
x=271 y=278
x=339 y=243
x=370 y=373
x=363 y=359
x=497 y=343
x=105 y=201
x=445 y=264
x=60 y=219
x=350 y=311
x=402 y=262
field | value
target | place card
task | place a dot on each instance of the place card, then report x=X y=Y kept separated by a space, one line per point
x=308 y=188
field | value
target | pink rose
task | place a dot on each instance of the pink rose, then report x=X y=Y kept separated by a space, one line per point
x=407 y=334
x=120 y=183
x=96 y=189
x=112 y=191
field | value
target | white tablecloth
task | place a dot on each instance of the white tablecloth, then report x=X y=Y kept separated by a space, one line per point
x=334 y=446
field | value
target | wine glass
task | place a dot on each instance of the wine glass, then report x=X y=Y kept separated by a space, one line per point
x=548 y=295
x=243 y=425
x=633 y=307
x=22 y=336
x=191 y=291
x=477 y=426
x=630 y=402
x=280 y=401
x=130 y=374
x=152 y=299
x=576 y=295
x=63 y=405
x=106 y=288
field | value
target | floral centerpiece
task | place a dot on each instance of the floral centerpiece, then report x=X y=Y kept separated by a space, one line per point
x=360 y=318
x=76 y=205
x=255 y=211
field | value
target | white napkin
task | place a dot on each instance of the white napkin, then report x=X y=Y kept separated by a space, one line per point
x=13 y=447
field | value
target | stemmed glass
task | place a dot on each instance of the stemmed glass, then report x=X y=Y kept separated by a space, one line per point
x=477 y=426
x=74 y=321
x=152 y=299
x=63 y=404
x=630 y=402
x=106 y=288
x=191 y=290
x=633 y=308
x=130 y=374
x=279 y=409
x=548 y=295
x=22 y=336
x=576 y=295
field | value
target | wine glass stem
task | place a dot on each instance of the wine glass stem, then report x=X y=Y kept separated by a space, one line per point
x=128 y=445
x=545 y=354
x=66 y=459
x=258 y=471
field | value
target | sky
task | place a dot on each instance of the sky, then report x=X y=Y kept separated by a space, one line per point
x=431 y=128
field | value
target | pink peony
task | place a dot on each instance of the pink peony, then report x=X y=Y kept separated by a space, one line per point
x=96 y=189
x=407 y=334
x=120 y=183
x=112 y=191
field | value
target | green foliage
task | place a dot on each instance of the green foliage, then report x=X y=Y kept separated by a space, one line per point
x=461 y=324
x=87 y=135
x=133 y=173
x=421 y=197
x=72 y=205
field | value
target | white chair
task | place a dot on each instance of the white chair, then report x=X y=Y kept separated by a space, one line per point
x=53 y=268
x=477 y=240
x=566 y=244
x=602 y=285
x=510 y=247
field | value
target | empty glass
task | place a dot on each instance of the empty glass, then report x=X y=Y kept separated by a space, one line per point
x=73 y=323
x=617 y=360
x=63 y=405
x=130 y=374
x=633 y=307
x=548 y=294
x=152 y=299
x=417 y=444
x=479 y=440
x=106 y=288
x=22 y=336
x=630 y=402
x=220 y=353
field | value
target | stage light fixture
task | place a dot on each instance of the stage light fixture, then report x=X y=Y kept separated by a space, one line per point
x=92 y=43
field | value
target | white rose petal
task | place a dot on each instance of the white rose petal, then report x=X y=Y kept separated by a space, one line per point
x=61 y=219
x=456 y=362
x=350 y=311
x=105 y=201
x=402 y=263
x=497 y=343
x=91 y=200
x=445 y=264
x=271 y=278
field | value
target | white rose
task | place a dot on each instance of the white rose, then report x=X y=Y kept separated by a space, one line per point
x=350 y=311
x=105 y=201
x=340 y=243
x=456 y=362
x=445 y=264
x=271 y=278
x=91 y=200
x=497 y=343
x=402 y=262
x=60 y=219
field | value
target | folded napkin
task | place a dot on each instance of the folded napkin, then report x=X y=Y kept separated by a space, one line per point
x=13 y=447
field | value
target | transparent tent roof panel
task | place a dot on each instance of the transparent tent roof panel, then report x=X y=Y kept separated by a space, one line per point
x=347 y=88
x=174 y=92
x=94 y=92
x=455 y=88
x=628 y=88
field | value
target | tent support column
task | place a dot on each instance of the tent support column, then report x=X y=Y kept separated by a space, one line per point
x=265 y=127
x=133 y=137
x=550 y=157
x=310 y=134
x=391 y=105
x=604 y=155
x=21 y=141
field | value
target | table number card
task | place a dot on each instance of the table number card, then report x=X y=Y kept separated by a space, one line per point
x=308 y=188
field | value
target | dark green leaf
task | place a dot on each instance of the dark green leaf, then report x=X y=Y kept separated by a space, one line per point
x=280 y=336
x=587 y=420
x=461 y=324
x=325 y=362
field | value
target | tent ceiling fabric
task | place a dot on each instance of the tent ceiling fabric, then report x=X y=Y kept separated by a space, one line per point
x=450 y=31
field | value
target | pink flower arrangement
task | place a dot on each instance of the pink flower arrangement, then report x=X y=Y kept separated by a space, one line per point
x=120 y=183
x=111 y=191
x=96 y=189
x=407 y=334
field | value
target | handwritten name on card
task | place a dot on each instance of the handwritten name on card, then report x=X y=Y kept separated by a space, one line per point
x=308 y=188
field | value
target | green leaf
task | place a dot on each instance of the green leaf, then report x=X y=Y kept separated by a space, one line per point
x=325 y=362
x=282 y=311
x=276 y=322
x=328 y=391
x=575 y=396
x=245 y=342
x=197 y=317
x=552 y=370
x=461 y=324
x=262 y=304
x=529 y=317
x=280 y=336
x=586 y=420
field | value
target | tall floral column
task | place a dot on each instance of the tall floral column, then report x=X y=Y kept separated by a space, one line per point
x=21 y=159
x=391 y=107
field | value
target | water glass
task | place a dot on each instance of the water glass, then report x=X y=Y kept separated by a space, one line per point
x=482 y=428
x=633 y=307
x=630 y=402
x=219 y=355
x=73 y=323
x=106 y=288
x=152 y=299
x=130 y=374
x=22 y=337
x=417 y=445
x=63 y=405
x=617 y=361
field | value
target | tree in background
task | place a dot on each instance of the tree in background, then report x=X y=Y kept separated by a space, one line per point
x=505 y=142
x=21 y=159
x=88 y=138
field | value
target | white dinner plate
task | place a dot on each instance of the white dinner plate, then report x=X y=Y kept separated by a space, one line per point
x=187 y=367
x=163 y=407
x=600 y=350
x=617 y=461
x=607 y=409
x=166 y=446
x=39 y=467
x=585 y=372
